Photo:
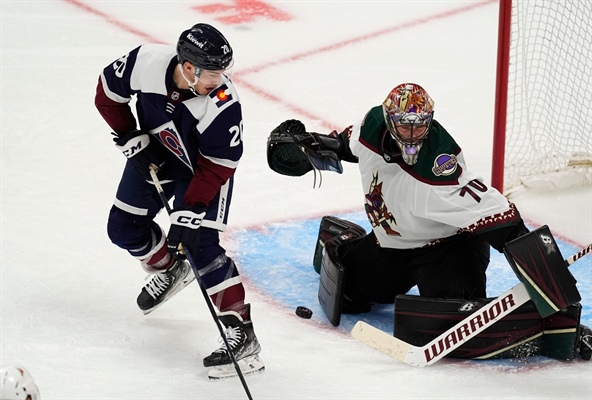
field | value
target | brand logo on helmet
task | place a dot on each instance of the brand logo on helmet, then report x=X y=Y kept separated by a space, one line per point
x=445 y=164
x=225 y=49
x=192 y=38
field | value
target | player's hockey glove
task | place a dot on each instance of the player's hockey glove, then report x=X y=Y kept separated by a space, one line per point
x=140 y=152
x=292 y=151
x=185 y=223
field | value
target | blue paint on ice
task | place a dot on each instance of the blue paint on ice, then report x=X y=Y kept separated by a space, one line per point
x=277 y=259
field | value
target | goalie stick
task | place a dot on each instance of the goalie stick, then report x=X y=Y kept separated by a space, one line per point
x=160 y=190
x=468 y=328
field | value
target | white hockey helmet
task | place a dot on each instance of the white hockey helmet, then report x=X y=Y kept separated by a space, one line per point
x=17 y=384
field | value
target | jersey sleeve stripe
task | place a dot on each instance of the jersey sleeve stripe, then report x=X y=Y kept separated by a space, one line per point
x=112 y=95
x=221 y=161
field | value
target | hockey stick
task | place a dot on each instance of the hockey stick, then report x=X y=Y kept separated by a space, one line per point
x=165 y=202
x=468 y=328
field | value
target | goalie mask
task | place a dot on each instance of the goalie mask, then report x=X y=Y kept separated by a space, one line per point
x=408 y=113
x=17 y=384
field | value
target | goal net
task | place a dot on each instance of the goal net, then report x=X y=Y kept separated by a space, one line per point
x=543 y=121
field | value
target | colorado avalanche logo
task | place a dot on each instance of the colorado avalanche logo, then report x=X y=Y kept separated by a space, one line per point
x=170 y=138
x=445 y=164
x=376 y=210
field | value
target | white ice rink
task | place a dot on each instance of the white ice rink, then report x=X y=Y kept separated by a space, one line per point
x=68 y=309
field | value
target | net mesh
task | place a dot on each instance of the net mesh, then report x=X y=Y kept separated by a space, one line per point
x=549 y=114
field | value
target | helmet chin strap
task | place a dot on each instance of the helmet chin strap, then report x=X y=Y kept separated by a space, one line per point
x=191 y=85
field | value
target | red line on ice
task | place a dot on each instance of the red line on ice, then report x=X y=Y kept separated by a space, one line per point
x=238 y=76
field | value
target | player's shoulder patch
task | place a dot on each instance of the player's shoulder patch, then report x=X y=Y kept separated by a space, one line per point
x=445 y=164
x=438 y=162
x=221 y=95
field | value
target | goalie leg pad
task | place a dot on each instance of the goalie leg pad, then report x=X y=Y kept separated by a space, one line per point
x=561 y=333
x=328 y=229
x=332 y=271
x=419 y=320
x=538 y=263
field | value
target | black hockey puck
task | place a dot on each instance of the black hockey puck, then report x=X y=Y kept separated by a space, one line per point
x=303 y=312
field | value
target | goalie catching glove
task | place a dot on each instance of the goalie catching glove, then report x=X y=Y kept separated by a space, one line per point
x=292 y=151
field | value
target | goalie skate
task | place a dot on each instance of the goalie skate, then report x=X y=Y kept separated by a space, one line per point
x=248 y=365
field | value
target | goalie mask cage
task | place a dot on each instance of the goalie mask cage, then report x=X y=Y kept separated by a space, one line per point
x=543 y=110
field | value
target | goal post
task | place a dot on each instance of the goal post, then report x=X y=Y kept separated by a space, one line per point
x=543 y=104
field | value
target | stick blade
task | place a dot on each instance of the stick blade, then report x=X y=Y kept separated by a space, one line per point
x=385 y=343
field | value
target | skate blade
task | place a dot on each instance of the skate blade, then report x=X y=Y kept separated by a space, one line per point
x=173 y=292
x=248 y=366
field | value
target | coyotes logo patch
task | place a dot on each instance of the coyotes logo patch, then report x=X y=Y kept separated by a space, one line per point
x=376 y=210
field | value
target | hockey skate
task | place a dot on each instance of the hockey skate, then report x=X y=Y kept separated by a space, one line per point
x=243 y=344
x=584 y=345
x=164 y=285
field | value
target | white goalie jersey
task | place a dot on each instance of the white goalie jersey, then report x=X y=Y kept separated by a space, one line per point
x=436 y=198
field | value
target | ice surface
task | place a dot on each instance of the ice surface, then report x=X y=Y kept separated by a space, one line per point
x=68 y=308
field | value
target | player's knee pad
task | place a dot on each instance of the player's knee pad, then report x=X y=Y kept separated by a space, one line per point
x=332 y=271
x=328 y=229
x=538 y=263
x=135 y=233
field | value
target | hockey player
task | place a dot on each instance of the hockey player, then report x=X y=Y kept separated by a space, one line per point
x=189 y=125
x=17 y=384
x=433 y=220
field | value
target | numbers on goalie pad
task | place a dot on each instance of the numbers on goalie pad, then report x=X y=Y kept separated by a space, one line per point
x=538 y=263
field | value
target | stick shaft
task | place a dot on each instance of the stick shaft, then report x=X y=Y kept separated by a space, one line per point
x=160 y=190
x=579 y=254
